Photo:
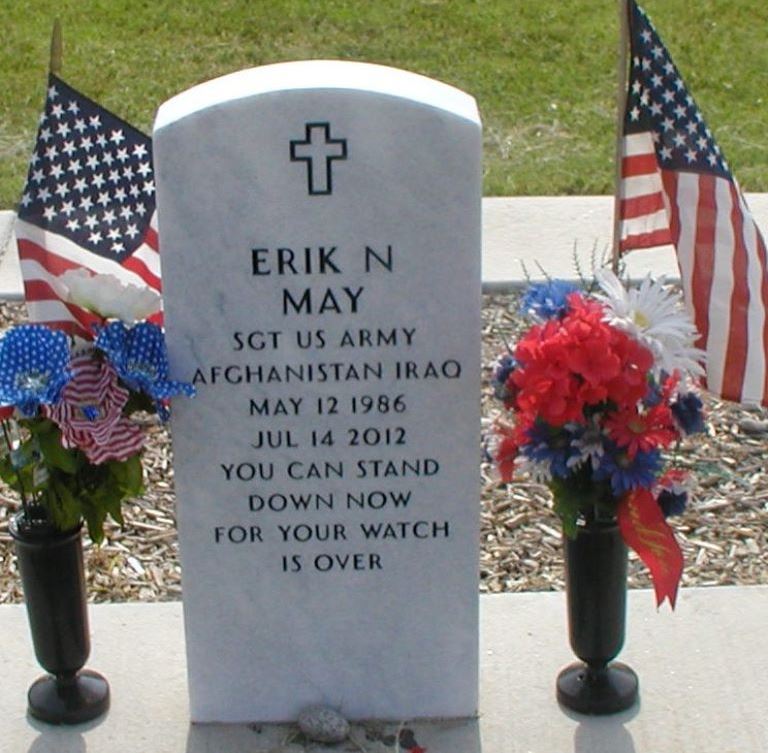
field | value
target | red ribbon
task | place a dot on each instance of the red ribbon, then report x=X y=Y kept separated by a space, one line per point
x=643 y=527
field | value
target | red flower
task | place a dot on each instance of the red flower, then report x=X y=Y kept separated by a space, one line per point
x=546 y=386
x=644 y=431
x=505 y=451
x=567 y=364
x=89 y=413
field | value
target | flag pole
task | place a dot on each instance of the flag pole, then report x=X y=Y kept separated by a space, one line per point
x=56 y=48
x=621 y=104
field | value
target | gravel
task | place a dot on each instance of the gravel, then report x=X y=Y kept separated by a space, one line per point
x=723 y=532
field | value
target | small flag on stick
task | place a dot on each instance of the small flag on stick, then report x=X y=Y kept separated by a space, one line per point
x=89 y=202
x=676 y=188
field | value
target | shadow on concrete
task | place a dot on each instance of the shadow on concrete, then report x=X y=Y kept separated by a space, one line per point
x=603 y=736
x=59 y=739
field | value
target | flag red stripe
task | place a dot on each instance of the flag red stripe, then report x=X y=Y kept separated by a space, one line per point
x=56 y=265
x=639 y=164
x=142 y=270
x=736 y=351
x=646 y=240
x=669 y=180
x=641 y=205
x=151 y=239
x=704 y=255
x=763 y=262
x=39 y=290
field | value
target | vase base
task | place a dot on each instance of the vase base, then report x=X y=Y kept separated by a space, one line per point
x=606 y=691
x=72 y=701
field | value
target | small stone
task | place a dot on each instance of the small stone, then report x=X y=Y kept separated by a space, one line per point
x=323 y=725
x=751 y=426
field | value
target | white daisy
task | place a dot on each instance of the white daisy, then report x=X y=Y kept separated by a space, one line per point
x=590 y=447
x=654 y=316
x=539 y=471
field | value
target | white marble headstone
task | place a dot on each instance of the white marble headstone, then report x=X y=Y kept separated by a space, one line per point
x=320 y=242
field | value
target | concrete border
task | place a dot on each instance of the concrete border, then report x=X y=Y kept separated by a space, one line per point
x=703 y=679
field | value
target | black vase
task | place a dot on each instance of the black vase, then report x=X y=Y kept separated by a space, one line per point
x=596 y=587
x=53 y=581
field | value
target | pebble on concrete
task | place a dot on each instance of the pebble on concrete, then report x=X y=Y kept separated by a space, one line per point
x=323 y=725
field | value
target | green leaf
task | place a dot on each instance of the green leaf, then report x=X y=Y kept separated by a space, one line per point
x=579 y=494
x=8 y=472
x=138 y=401
x=94 y=519
x=62 y=504
x=55 y=454
x=129 y=475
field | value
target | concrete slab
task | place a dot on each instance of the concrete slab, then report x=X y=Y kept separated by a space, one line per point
x=519 y=233
x=703 y=678
x=11 y=285
x=557 y=231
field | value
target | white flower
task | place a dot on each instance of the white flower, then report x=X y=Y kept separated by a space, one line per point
x=107 y=296
x=590 y=447
x=539 y=471
x=654 y=316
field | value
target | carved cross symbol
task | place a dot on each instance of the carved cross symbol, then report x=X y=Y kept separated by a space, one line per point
x=318 y=150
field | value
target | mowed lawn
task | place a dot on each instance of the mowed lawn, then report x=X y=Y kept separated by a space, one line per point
x=543 y=71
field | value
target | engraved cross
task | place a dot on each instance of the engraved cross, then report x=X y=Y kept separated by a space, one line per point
x=318 y=150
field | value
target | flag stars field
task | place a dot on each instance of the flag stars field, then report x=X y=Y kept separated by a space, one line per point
x=79 y=164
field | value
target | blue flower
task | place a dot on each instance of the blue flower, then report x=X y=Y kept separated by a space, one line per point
x=625 y=473
x=654 y=395
x=547 y=300
x=672 y=503
x=503 y=367
x=550 y=446
x=688 y=412
x=33 y=367
x=140 y=358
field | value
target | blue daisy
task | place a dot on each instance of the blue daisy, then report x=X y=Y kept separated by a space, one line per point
x=547 y=300
x=140 y=359
x=33 y=367
x=672 y=503
x=503 y=367
x=625 y=473
x=550 y=446
x=688 y=411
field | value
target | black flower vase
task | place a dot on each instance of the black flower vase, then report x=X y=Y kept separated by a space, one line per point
x=596 y=587
x=53 y=581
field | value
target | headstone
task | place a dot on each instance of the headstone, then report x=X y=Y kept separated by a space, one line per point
x=320 y=226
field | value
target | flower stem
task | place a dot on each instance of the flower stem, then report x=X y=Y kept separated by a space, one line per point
x=22 y=493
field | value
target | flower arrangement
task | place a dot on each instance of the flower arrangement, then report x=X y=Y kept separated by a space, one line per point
x=72 y=444
x=594 y=394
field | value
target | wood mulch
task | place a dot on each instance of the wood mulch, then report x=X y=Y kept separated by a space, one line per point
x=723 y=533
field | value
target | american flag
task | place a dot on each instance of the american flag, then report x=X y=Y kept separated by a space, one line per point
x=89 y=202
x=677 y=188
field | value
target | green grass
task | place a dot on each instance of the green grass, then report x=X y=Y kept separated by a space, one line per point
x=543 y=71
